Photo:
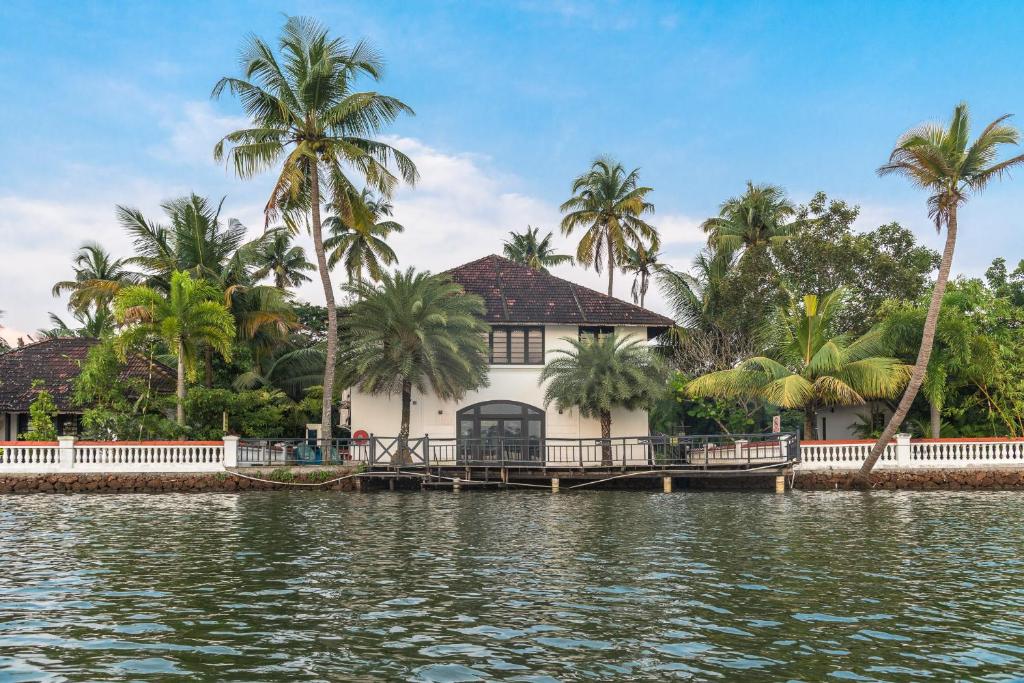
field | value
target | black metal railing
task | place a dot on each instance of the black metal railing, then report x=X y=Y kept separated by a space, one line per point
x=735 y=451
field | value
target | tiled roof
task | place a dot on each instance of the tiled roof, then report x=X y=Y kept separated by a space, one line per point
x=515 y=293
x=57 y=362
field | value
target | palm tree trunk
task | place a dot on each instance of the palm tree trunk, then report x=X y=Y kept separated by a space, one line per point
x=330 y=359
x=923 y=355
x=643 y=288
x=611 y=264
x=809 y=424
x=208 y=367
x=935 y=418
x=403 y=430
x=606 y=438
x=181 y=384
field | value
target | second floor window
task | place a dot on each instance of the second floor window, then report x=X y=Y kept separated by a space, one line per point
x=595 y=332
x=516 y=345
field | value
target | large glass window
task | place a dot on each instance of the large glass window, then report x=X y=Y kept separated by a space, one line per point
x=595 y=332
x=517 y=345
x=501 y=430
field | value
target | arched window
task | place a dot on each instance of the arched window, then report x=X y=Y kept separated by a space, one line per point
x=505 y=430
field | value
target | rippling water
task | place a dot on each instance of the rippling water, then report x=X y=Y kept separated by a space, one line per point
x=512 y=586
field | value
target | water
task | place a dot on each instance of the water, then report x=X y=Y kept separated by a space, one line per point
x=512 y=586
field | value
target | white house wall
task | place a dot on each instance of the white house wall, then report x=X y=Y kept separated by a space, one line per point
x=381 y=414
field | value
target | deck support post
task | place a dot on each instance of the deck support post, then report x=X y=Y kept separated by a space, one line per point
x=504 y=475
x=666 y=484
x=391 y=484
x=456 y=485
x=359 y=483
x=554 y=484
x=780 y=483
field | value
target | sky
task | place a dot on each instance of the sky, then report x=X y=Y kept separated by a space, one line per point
x=109 y=103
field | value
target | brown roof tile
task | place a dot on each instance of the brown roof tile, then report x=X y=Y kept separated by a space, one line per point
x=57 y=362
x=514 y=293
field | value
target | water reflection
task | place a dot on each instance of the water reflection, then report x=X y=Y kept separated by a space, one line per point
x=512 y=586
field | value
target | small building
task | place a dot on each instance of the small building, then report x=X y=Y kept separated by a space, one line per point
x=530 y=314
x=56 y=363
x=839 y=423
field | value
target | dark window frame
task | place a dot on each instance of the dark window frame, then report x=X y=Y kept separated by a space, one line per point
x=506 y=331
x=595 y=331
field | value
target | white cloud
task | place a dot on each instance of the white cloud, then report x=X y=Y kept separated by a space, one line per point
x=193 y=131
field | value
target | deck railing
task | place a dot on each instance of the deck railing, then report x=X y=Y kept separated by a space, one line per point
x=68 y=455
x=905 y=453
x=736 y=451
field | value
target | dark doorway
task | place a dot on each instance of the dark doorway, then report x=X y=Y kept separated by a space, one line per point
x=501 y=431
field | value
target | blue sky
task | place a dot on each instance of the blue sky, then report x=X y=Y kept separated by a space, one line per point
x=107 y=103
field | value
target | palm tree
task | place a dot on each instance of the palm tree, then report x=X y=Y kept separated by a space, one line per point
x=643 y=262
x=187 y=318
x=526 y=248
x=941 y=161
x=292 y=371
x=596 y=375
x=809 y=366
x=756 y=220
x=609 y=204
x=361 y=242
x=305 y=111
x=415 y=330
x=283 y=261
x=98 y=278
x=95 y=323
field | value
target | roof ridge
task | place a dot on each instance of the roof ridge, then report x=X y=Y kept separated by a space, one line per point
x=579 y=306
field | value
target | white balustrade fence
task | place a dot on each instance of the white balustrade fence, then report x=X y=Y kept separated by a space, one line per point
x=68 y=456
x=903 y=453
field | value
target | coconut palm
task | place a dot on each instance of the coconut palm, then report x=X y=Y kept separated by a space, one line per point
x=292 y=371
x=187 y=318
x=98 y=278
x=415 y=330
x=808 y=365
x=94 y=322
x=643 y=262
x=306 y=115
x=758 y=219
x=940 y=160
x=609 y=204
x=528 y=249
x=597 y=375
x=360 y=243
x=282 y=260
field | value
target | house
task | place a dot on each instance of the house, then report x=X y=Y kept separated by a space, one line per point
x=530 y=314
x=56 y=363
x=847 y=422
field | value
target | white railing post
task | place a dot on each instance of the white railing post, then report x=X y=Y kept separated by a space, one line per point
x=903 y=450
x=66 y=452
x=230 y=451
x=740 y=443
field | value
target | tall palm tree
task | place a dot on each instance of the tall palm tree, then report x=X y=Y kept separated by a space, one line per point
x=98 y=278
x=758 y=219
x=306 y=114
x=528 y=249
x=95 y=322
x=283 y=261
x=360 y=243
x=187 y=318
x=808 y=365
x=609 y=204
x=600 y=374
x=642 y=261
x=940 y=160
x=415 y=330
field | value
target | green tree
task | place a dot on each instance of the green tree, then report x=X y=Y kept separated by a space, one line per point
x=642 y=261
x=808 y=365
x=361 y=242
x=187 y=318
x=608 y=204
x=304 y=110
x=598 y=375
x=98 y=278
x=530 y=250
x=41 y=413
x=282 y=260
x=415 y=330
x=942 y=161
x=757 y=220
x=94 y=322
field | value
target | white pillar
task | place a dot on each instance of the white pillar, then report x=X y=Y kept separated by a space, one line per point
x=230 y=451
x=666 y=484
x=740 y=443
x=554 y=484
x=903 y=450
x=66 y=452
x=780 y=483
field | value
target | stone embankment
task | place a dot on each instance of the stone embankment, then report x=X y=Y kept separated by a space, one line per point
x=996 y=478
x=274 y=479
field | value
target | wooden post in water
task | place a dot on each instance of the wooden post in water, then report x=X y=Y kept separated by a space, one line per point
x=780 y=483
x=391 y=483
x=666 y=484
x=554 y=484
x=456 y=485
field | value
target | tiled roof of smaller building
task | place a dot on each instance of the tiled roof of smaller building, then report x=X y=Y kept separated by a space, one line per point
x=57 y=363
x=514 y=293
